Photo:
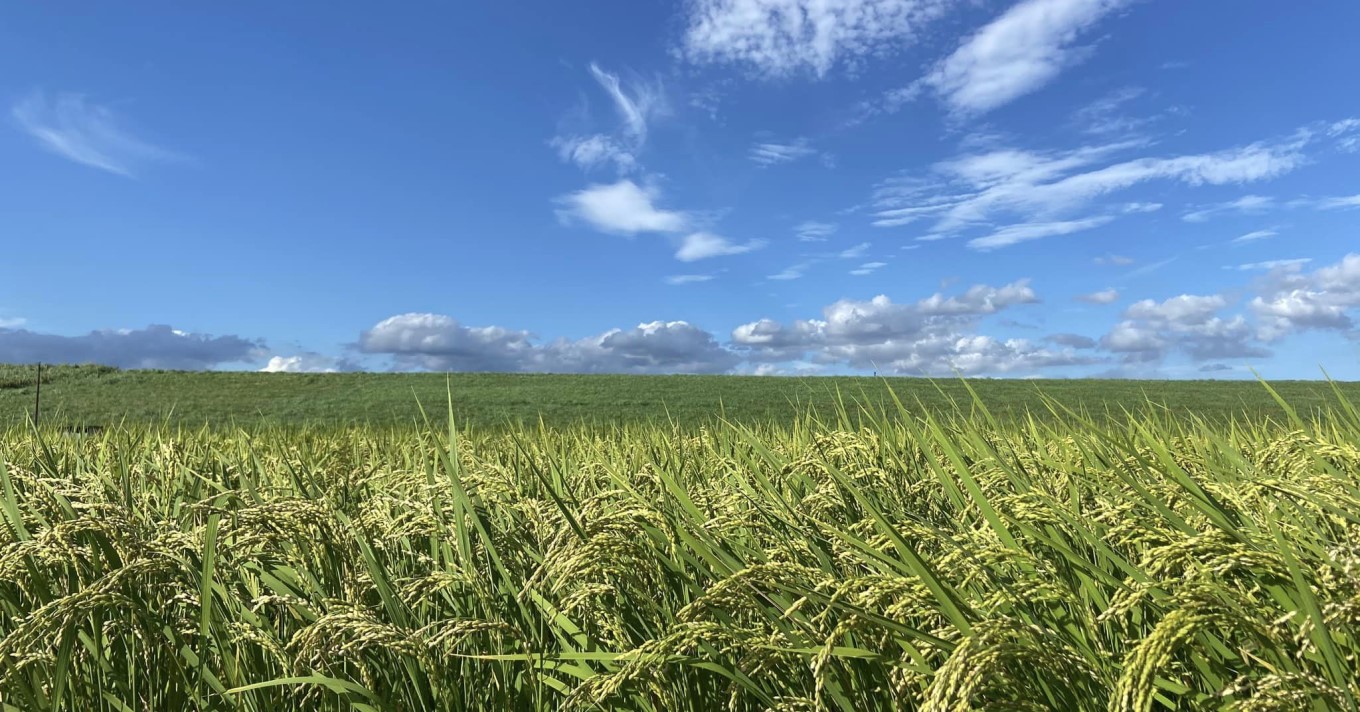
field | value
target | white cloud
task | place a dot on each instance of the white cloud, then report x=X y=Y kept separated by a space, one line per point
x=591 y=151
x=1117 y=260
x=769 y=154
x=1104 y=296
x=636 y=105
x=86 y=133
x=1246 y=205
x=1347 y=134
x=1341 y=203
x=1017 y=53
x=1132 y=208
x=703 y=245
x=1013 y=234
x=932 y=336
x=1273 y=264
x=783 y=37
x=851 y=253
x=12 y=322
x=1106 y=115
x=1292 y=300
x=986 y=188
x=156 y=346
x=813 y=231
x=867 y=268
x=308 y=363
x=1189 y=323
x=682 y=279
x=1254 y=236
x=438 y=342
x=792 y=272
x=623 y=208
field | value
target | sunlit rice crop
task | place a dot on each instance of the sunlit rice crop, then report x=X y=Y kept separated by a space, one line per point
x=874 y=560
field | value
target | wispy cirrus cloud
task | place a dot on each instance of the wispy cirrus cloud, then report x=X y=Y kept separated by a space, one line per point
x=797 y=271
x=813 y=231
x=636 y=104
x=868 y=268
x=1339 y=203
x=1024 y=232
x=1245 y=205
x=1254 y=236
x=70 y=126
x=851 y=253
x=1022 y=195
x=1017 y=53
x=1268 y=265
x=770 y=153
x=677 y=280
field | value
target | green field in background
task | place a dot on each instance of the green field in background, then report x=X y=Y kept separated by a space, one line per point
x=101 y=396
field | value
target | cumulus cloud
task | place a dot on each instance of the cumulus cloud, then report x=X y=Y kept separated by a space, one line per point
x=703 y=245
x=156 y=346
x=1104 y=296
x=308 y=362
x=622 y=208
x=1293 y=301
x=1187 y=323
x=87 y=133
x=782 y=37
x=935 y=335
x=440 y=343
x=1076 y=341
x=1017 y=53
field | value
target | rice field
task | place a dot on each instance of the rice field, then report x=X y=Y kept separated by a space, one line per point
x=890 y=559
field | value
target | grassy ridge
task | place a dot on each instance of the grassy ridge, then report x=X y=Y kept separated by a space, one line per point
x=101 y=396
x=905 y=562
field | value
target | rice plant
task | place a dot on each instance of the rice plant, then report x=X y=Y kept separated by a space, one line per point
x=871 y=560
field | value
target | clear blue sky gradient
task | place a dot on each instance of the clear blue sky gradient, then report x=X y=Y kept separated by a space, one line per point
x=344 y=185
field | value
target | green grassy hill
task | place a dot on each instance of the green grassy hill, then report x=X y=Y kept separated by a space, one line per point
x=88 y=395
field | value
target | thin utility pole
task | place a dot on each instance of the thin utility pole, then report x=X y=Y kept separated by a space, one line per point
x=37 y=398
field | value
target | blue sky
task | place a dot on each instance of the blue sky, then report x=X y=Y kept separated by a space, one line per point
x=1045 y=188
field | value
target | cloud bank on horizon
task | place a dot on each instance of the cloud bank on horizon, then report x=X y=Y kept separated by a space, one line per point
x=919 y=187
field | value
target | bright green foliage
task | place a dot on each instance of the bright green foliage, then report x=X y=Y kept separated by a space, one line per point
x=888 y=560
